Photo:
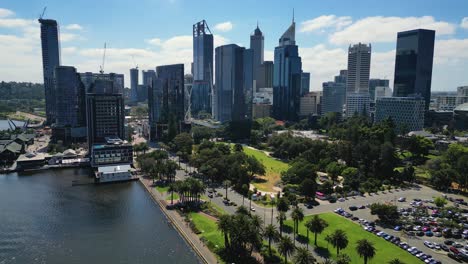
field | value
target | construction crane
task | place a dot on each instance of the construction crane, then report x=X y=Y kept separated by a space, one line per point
x=103 y=60
x=43 y=12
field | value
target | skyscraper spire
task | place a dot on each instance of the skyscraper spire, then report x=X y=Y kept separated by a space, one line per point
x=257 y=23
x=293 y=16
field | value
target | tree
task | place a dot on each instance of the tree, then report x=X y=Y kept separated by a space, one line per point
x=395 y=261
x=183 y=142
x=440 y=201
x=334 y=170
x=388 y=214
x=283 y=204
x=308 y=188
x=271 y=234
x=442 y=179
x=365 y=249
x=420 y=146
x=303 y=256
x=281 y=217
x=224 y=225
x=297 y=215
x=343 y=259
x=238 y=147
x=200 y=133
x=315 y=225
x=339 y=240
x=286 y=247
x=172 y=188
x=226 y=184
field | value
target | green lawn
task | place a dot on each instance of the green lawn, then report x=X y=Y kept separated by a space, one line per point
x=176 y=196
x=209 y=230
x=273 y=168
x=385 y=251
x=162 y=189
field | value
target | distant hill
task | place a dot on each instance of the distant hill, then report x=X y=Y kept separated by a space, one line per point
x=21 y=90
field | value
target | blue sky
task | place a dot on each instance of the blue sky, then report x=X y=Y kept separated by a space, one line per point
x=157 y=32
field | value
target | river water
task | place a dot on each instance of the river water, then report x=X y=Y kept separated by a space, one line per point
x=44 y=219
x=4 y=124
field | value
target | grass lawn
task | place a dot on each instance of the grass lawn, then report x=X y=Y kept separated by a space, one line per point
x=385 y=251
x=273 y=168
x=421 y=172
x=162 y=189
x=209 y=230
x=176 y=196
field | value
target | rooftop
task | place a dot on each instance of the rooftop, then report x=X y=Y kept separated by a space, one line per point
x=114 y=168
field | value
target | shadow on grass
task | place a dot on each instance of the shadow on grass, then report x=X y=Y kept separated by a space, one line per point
x=302 y=239
x=322 y=252
x=287 y=229
x=259 y=180
x=229 y=257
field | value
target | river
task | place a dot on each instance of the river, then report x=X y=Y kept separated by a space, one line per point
x=44 y=219
x=4 y=124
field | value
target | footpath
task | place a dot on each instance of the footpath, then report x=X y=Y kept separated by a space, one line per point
x=180 y=225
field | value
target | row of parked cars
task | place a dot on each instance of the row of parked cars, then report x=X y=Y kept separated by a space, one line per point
x=371 y=227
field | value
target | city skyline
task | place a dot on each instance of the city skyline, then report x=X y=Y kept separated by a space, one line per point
x=323 y=35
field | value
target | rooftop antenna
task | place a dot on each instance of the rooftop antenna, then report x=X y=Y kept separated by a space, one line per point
x=43 y=12
x=103 y=59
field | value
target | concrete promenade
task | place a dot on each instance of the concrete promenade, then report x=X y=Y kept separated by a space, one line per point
x=180 y=225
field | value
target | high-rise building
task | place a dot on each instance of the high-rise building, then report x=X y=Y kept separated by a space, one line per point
x=462 y=95
x=377 y=83
x=202 y=68
x=407 y=113
x=357 y=82
x=70 y=118
x=50 y=59
x=166 y=101
x=134 y=84
x=382 y=91
x=305 y=83
x=308 y=104
x=188 y=83
x=233 y=92
x=88 y=78
x=287 y=77
x=334 y=94
x=257 y=46
x=413 y=64
x=142 y=91
x=265 y=79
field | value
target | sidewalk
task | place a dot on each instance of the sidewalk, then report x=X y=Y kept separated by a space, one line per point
x=179 y=223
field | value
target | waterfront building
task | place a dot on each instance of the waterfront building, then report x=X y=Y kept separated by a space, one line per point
x=305 y=83
x=373 y=83
x=257 y=46
x=166 y=101
x=134 y=84
x=233 y=92
x=287 y=77
x=88 y=78
x=407 y=113
x=334 y=94
x=202 y=68
x=357 y=81
x=70 y=118
x=413 y=64
x=50 y=59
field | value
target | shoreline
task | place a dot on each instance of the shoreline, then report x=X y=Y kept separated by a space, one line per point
x=197 y=246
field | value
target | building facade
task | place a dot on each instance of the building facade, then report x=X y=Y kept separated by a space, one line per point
x=134 y=84
x=373 y=83
x=357 y=82
x=257 y=46
x=334 y=94
x=413 y=64
x=148 y=77
x=88 y=78
x=50 y=59
x=287 y=72
x=305 y=83
x=357 y=104
x=381 y=91
x=308 y=104
x=406 y=112
x=265 y=80
x=233 y=94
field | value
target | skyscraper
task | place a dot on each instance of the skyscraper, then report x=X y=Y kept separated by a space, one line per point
x=305 y=83
x=413 y=64
x=234 y=83
x=148 y=77
x=265 y=80
x=257 y=46
x=166 y=101
x=202 y=68
x=50 y=59
x=88 y=78
x=287 y=77
x=334 y=94
x=134 y=84
x=357 y=83
x=373 y=83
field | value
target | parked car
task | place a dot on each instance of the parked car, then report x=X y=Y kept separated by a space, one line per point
x=402 y=199
x=429 y=244
x=353 y=208
x=454 y=256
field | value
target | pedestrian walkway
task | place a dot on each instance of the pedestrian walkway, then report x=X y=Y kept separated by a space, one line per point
x=179 y=223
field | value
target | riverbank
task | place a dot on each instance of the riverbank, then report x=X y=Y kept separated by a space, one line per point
x=179 y=224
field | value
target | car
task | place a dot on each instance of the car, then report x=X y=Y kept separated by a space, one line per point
x=354 y=218
x=425 y=228
x=444 y=247
x=210 y=195
x=420 y=233
x=341 y=200
x=362 y=207
x=252 y=209
x=454 y=256
x=353 y=208
x=429 y=233
x=457 y=245
x=448 y=242
x=397 y=228
x=429 y=244
x=454 y=250
x=436 y=246
x=437 y=234
x=309 y=206
x=417 y=228
x=402 y=199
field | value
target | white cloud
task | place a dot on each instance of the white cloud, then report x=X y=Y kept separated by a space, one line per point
x=6 y=12
x=464 y=23
x=16 y=23
x=384 y=29
x=219 y=40
x=224 y=27
x=154 y=41
x=73 y=27
x=325 y=22
x=66 y=37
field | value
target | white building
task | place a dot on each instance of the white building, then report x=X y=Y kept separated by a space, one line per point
x=357 y=103
x=114 y=173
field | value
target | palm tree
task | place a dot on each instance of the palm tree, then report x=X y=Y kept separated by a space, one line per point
x=257 y=221
x=339 y=240
x=281 y=217
x=303 y=256
x=286 y=247
x=396 y=261
x=172 y=188
x=271 y=234
x=297 y=215
x=315 y=225
x=226 y=184
x=224 y=225
x=343 y=259
x=328 y=261
x=365 y=249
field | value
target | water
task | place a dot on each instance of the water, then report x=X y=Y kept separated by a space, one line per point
x=44 y=219
x=4 y=124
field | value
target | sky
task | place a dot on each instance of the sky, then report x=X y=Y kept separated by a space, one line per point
x=149 y=33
